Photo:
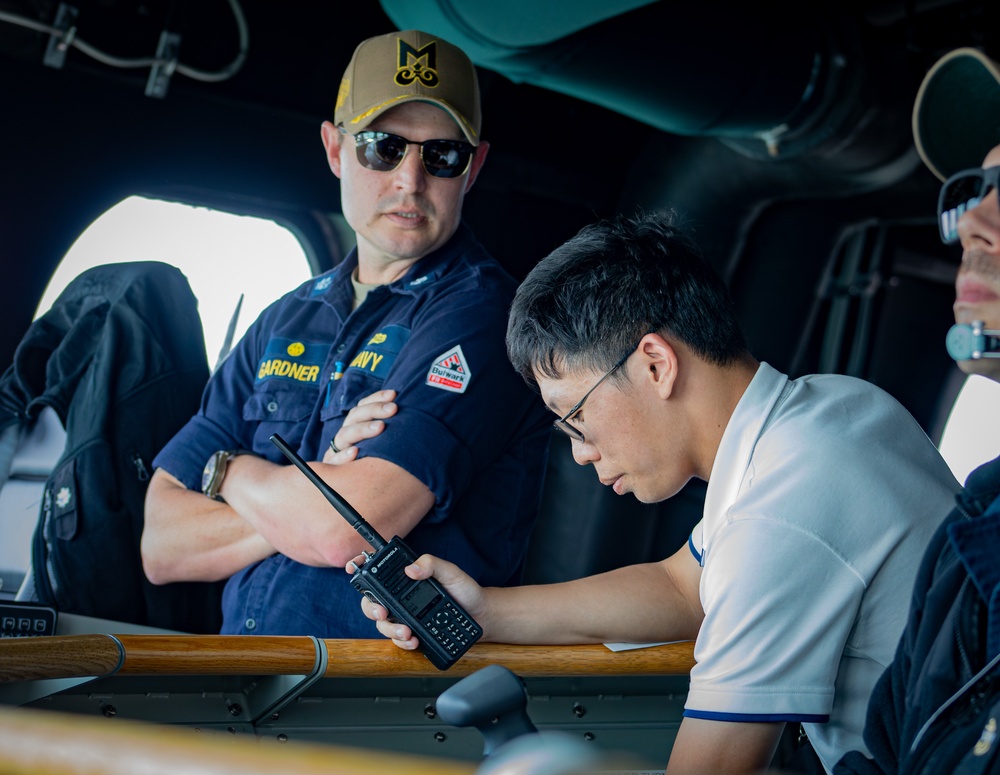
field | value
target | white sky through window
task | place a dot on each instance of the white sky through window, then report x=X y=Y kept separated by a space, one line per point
x=972 y=435
x=221 y=254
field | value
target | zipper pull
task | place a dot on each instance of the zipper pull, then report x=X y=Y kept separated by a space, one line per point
x=140 y=468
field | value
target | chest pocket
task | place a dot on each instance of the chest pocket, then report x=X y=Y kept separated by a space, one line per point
x=277 y=405
x=286 y=387
x=367 y=369
x=277 y=410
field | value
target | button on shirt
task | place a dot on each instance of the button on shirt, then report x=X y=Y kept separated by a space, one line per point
x=467 y=426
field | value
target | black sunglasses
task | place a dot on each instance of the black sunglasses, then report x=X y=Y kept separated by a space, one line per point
x=384 y=152
x=960 y=193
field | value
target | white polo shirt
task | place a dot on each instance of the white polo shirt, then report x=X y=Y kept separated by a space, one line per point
x=822 y=498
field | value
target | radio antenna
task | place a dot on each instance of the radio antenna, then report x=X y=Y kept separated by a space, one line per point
x=347 y=511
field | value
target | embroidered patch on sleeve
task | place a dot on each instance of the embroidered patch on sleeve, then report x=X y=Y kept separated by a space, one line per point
x=450 y=371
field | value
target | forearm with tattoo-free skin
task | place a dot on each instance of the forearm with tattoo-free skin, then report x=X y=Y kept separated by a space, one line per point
x=189 y=537
x=638 y=603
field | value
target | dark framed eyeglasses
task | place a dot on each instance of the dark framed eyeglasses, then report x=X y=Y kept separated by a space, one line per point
x=960 y=193
x=563 y=422
x=384 y=152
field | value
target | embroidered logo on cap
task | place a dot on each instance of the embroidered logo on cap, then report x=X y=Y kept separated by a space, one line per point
x=450 y=371
x=417 y=64
x=342 y=92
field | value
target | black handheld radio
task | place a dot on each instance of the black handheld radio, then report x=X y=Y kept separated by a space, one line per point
x=444 y=628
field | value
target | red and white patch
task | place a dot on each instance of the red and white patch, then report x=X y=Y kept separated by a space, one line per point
x=450 y=371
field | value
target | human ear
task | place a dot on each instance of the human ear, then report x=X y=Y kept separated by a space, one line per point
x=660 y=362
x=478 y=159
x=332 y=141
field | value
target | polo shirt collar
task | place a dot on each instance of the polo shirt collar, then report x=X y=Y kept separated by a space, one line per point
x=740 y=437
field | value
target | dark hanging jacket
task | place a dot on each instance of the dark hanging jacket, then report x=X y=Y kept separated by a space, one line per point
x=120 y=357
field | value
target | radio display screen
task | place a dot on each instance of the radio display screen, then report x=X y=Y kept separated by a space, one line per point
x=420 y=598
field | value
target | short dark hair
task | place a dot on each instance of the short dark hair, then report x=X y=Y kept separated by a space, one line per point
x=586 y=303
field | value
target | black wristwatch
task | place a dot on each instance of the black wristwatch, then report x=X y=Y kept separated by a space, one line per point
x=215 y=471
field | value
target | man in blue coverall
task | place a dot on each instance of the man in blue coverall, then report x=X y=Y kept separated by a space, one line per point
x=406 y=337
x=936 y=709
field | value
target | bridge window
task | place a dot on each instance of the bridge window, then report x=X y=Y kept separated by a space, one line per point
x=972 y=434
x=221 y=254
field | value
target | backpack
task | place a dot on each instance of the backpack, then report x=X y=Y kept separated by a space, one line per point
x=121 y=360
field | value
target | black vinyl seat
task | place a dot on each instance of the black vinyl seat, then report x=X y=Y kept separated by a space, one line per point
x=584 y=528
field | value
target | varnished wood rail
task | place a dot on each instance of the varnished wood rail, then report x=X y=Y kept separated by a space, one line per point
x=217 y=655
x=73 y=656
x=59 y=656
x=350 y=658
x=26 y=659
x=36 y=742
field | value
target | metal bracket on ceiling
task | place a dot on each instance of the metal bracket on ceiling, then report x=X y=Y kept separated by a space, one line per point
x=164 y=65
x=59 y=42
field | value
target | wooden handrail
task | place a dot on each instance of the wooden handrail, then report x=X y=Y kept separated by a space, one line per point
x=59 y=656
x=23 y=659
x=217 y=655
x=349 y=658
x=43 y=742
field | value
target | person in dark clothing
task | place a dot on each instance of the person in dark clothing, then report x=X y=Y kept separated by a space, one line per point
x=406 y=335
x=936 y=709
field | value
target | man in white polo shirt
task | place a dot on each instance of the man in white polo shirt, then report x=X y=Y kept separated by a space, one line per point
x=822 y=495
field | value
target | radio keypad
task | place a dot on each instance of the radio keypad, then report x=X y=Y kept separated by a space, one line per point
x=451 y=627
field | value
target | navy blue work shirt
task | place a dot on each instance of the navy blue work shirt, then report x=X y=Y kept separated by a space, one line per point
x=467 y=426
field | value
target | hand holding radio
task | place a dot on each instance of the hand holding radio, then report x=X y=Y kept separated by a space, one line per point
x=458 y=584
x=445 y=630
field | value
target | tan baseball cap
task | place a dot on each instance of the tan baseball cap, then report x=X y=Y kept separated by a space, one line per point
x=408 y=66
x=956 y=117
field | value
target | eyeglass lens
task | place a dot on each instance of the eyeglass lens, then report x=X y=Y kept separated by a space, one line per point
x=563 y=423
x=961 y=193
x=384 y=152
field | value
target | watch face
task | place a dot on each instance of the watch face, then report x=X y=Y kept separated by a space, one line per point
x=209 y=472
